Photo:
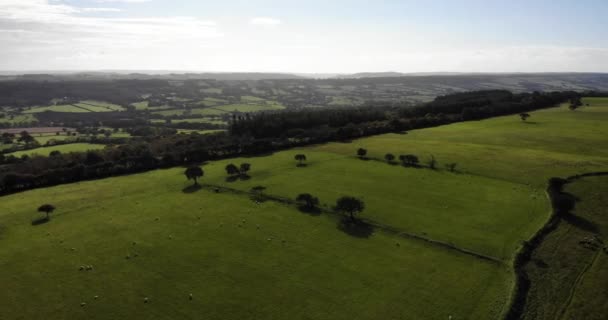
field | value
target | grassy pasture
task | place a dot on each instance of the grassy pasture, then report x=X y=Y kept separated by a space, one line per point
x=65 y=148
x=56 y=108
x=189 y=131
x=570 y=281
x=20 y=118
x=250 y=107
x=488 y=216
x=208 y=244
x=83 y=106
x=301 y=266
x=553 y=142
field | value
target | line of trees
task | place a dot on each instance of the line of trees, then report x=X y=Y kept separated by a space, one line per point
x=160 y=148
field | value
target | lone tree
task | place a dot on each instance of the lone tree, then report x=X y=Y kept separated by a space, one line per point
x=300 y=158
x=231 y=169
x=350 y=206
x=307 y=201
x=361 y=152
x=524 y=116
x=46 y=208
x=244 y=168
x=389 y=157
x=193 y=173
x=575 y=103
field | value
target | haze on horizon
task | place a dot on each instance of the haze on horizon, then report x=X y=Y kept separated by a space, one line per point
x=306 y=37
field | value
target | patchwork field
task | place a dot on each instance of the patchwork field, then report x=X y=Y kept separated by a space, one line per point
x=83 y=106
x=65 y=148
x=440 y=243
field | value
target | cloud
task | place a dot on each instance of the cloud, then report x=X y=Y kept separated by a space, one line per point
x=99 y=10
x=123 y=1
x=265 y=21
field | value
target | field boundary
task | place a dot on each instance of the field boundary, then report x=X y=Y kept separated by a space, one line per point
x=384 y=228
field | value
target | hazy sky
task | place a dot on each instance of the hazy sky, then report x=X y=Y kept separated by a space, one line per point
x=325 y=36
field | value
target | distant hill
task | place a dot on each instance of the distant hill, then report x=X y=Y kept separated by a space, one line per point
x=141 y=75
x=370 y=75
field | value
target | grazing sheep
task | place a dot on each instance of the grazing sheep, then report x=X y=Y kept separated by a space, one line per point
x=128 y=257
x=82 y=304
x=146 y=300
x=190 y=296
x=170 y=237
x=73 y=249
x=96 y=297
x=81 y=268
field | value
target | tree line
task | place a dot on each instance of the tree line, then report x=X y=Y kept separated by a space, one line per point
x=260 y=133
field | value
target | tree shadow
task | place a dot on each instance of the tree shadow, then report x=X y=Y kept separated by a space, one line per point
x=301 y=165
x=192 y=188
x=530 y=122
x=232 y=178
x=357 y=228
x=314 y=211
x=581 y=222
x=39 y=221
x=364 y=158
x=244 y=177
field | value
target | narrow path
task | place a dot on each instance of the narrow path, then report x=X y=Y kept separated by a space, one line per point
x=384 y=228
x=578 y=280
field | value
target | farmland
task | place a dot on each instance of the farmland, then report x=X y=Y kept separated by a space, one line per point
x=440 y=243
x=65 y=148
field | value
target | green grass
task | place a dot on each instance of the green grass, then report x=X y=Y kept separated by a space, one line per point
x=212 y=90
x=201 y=245
x=20 y=118
x=251 y=99
x=485 y=215
x=250 y=107
x=83 y=106
x=56 y=108
x=44 y=138
x=570 y=281
x=105 y=106
x=233 y=272
x=192 y=120
x=72 y=147
x=189 y=131
x=142 y=105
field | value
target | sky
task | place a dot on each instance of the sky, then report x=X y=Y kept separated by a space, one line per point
x=305 y=36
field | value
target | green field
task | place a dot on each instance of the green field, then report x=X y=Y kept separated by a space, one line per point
x=189 y=131
x=197 y=120
x=83 y=106
x=441 y=245
x=570 y=281
x=65 y=148
x=250 y=107
x=20 y=118
x=44 y=138
x=308 y=268
x=56 y=108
